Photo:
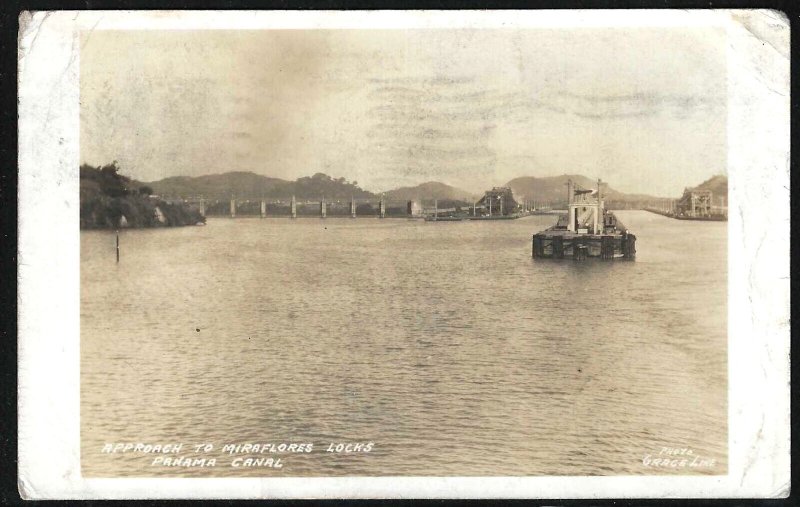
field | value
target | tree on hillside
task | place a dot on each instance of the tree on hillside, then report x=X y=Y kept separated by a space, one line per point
x=107 y=178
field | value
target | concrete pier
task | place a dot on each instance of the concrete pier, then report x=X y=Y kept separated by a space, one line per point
x=382 y=208
x=294 y=207
x=233 y=208
x=263 y=208
x=352 y=208
x=323 y=209
x=693 y=205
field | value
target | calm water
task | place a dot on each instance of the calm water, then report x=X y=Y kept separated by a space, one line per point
x=444 y=344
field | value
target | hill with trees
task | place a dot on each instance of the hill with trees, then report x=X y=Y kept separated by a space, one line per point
x=245 y=184
x=249 y=185
x=553 y=190
x=312 y=187
x=429 y=191
x=718 y=184
x=109 y=200
x=220 y=186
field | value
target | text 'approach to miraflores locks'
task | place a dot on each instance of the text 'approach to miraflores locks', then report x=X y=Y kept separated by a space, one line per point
x=234 y=455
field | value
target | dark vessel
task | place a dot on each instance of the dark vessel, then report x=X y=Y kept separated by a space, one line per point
x=586 y=230
x=444 y=218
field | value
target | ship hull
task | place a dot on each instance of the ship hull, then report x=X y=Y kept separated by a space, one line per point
x=444 y=219
x=558 y=243
x=495 y=217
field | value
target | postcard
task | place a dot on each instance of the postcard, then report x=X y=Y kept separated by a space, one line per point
x=394 y=254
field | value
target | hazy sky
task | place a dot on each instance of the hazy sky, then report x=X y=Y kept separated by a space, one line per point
x=644 y=109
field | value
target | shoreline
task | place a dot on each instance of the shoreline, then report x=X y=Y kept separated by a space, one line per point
x=712 y=218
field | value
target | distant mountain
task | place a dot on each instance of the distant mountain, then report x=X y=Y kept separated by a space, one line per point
x=243 y=184
x=219 y=186
x=553 y=190
x=430 y=191
x=718 y=185
x=249 y=185
x=312 y=187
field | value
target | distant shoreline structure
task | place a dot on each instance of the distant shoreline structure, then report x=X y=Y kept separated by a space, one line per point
x=699 y=203
x=110 y=200
x=668 y=214
x=244 y=185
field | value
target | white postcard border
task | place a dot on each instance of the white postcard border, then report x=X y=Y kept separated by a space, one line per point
x=48 y=273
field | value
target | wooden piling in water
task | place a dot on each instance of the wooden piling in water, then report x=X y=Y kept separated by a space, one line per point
x=607 y=247
x=628 y=246
x=117 y=246
x=581 y=251
x=538 y=246
x=558 y=247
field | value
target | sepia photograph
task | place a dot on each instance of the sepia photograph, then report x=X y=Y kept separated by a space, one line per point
x=447 y=250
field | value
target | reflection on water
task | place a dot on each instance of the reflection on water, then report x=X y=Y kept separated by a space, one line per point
x=445 y=344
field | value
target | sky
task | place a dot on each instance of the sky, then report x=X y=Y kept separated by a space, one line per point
x=643 y=109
